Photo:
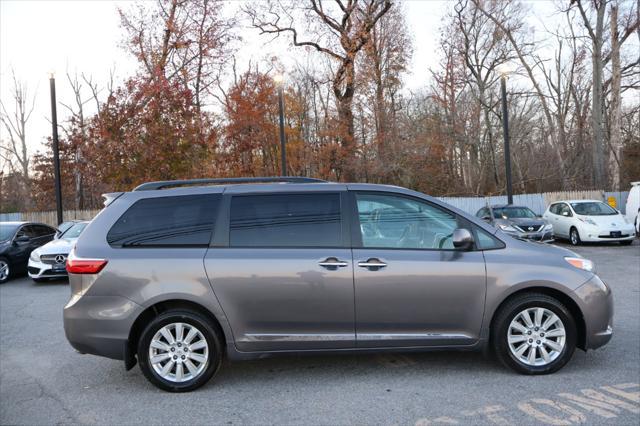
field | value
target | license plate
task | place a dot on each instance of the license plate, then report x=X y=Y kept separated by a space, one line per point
x=616 y=234
x=59 y=268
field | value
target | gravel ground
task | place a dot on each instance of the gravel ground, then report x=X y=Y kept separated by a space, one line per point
x=43 y=381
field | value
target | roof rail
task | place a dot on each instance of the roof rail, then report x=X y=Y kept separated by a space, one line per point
x=149 y=186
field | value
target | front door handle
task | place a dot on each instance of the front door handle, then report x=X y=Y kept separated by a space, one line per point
x=333 y=263
x=372 y=263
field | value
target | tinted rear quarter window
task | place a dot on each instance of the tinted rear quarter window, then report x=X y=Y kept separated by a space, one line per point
x=286 y=220
x=179 y=221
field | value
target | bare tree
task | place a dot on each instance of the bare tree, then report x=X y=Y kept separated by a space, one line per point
x=14 y=121
x=341 y=32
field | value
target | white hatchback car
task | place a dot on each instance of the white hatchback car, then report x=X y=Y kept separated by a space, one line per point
x=589 y=221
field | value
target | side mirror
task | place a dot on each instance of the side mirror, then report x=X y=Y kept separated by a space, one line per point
x=462 y=239
x=22 y=239
x=486 y=218
x=565 y=214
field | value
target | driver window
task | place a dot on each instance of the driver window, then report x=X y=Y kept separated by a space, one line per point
x=391 y=221
x=565 y=208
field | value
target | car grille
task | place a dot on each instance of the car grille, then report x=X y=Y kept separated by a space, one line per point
x=54 y=259
x=531 y=228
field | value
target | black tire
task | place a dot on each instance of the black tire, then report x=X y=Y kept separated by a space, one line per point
x=626 y=243
x=503 y=318
x=574 y=237
x=6 y=278
x=210 y=335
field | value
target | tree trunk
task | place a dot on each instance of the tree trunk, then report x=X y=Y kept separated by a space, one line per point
x=597 y=108
x=616 y=109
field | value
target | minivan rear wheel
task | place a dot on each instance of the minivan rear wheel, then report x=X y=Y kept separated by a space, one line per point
x=534 y=334
x=179 y=351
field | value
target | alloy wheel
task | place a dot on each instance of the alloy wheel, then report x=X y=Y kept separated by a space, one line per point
x=574 y=237
x=179 y=352
x=4 y=270
x=536 y=336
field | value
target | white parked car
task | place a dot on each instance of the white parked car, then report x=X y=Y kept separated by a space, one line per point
x=589 y=221
x=50 y=260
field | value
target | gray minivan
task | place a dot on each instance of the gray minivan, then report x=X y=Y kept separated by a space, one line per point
x=175 y=274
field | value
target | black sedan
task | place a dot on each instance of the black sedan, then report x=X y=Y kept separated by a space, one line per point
x=517 y=221
x=17 y=241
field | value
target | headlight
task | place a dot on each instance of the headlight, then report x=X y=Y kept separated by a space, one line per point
x=548 y=227
x=507 y=228
x=35 y=255
x=580 y=263
x=587 y=220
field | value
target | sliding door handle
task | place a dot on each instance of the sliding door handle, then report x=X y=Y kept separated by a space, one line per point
x=372 y=263
x=333 y=262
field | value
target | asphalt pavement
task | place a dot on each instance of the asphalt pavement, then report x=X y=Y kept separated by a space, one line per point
x=43 y=381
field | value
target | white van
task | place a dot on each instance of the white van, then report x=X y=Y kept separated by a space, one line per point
x=633 y=206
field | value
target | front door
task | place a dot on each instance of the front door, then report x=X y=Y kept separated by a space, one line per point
x=285 y=281
x=412 y=288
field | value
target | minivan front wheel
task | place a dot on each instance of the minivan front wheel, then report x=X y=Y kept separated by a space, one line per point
x=179 y=351
x=534 y=334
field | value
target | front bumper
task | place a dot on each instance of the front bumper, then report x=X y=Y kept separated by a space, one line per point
x=597 y=311
x=593 y=234
x=541 y=236
x=99 y=325
x=39 y=270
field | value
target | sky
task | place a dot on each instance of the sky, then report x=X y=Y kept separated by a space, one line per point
x=40 y=37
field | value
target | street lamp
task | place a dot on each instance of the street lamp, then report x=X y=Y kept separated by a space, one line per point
x=279 y=80
x=504 y=72
x=56 y=152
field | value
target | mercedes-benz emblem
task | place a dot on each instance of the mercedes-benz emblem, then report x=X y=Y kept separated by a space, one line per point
x=60 y=258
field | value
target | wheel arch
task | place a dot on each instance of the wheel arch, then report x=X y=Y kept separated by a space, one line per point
x=158 y=308
x=562 y=297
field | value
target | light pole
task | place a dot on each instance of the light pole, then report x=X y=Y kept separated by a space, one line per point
x=505 y=131
x=56 y=152
x=279 y=79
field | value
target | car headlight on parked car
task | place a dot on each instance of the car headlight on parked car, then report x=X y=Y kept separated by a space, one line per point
x=587 y=220
x=507 y=228
x=547 y=227
x=35 y=255
x=580 y=263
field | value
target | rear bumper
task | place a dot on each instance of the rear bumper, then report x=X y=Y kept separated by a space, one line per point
x=99 y=325
x=597 y=310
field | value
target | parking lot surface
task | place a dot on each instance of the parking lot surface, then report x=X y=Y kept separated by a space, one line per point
x=43 y=381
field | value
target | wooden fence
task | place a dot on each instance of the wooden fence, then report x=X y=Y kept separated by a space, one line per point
x=50 y=218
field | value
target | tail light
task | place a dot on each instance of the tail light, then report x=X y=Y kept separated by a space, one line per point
x=76 y=265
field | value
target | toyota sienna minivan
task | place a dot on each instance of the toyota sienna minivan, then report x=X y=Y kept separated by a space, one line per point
x=176 y=274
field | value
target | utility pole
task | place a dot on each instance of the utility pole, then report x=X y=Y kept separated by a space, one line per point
x=279 y=79
x=56 y=152
x=505 y=131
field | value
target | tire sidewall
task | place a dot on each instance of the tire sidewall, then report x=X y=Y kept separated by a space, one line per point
x=502 y=346
x=202 y=324
x=577 y=242
x=4 y=280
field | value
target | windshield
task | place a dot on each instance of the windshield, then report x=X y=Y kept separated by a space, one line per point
x=513 y=213
x=595 y=208
x=74 y=231
x=7 y=231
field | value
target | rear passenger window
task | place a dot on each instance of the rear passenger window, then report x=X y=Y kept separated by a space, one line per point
x=181 y=221
x=286 y=220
